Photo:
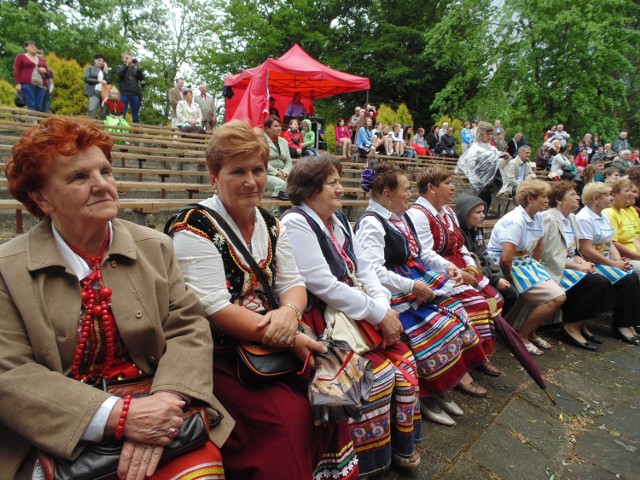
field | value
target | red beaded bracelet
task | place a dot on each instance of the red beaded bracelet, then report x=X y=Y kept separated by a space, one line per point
x=123 y=417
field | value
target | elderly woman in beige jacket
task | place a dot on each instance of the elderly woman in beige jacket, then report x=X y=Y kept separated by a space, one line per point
x=86 y=295
x=588 y=294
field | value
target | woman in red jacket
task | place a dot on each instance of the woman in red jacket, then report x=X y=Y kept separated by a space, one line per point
x=31 y=73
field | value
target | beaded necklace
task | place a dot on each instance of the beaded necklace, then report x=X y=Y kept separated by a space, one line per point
x=96 y=326
x=340 y=249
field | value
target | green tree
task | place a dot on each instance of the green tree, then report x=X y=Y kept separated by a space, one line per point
x=536 y=62
x=403 y=116
x=68 y=97
x=7 y=92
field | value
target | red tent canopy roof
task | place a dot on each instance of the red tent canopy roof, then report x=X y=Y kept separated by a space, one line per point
x=294 y=72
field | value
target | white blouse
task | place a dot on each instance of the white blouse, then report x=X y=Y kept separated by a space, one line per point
x=519 y=228
x=370 y=235
x=594 y=227
x=203 y=267
x=428 y=256
x=371 y=306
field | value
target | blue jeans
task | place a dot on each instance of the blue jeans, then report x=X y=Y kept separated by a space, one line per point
x=134 y=100
x=33 y=96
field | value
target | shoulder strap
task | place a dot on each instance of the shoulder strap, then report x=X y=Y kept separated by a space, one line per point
x=369 y=213
x=236 y=243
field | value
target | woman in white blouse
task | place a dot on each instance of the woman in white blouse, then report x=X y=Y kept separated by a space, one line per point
x=437 y=330
x=515 y=245
x=596 y=245
x=331 y=261
x=271 y=417
x=588 y=294
x=189 y=113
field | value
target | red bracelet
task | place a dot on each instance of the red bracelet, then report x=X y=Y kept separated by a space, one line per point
x=123 y=418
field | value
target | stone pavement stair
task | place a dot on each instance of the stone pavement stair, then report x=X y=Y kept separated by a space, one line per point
x=516 y=433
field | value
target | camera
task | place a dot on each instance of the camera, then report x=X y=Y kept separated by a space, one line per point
x=135 y=60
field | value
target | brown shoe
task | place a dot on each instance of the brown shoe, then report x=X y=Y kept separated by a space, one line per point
x=473 y=389
x=489 y=369
x=409 y=463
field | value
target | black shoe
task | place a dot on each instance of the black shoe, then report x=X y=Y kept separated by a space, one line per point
x=569 y=340
x=630 y=340
x=283 y=196
x=591 y=338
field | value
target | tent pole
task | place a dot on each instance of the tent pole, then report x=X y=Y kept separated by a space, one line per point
x=367 y=100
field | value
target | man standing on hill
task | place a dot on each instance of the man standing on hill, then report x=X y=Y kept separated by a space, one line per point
x=207 y=107
x=514 y=144
x=131 y=77
x=175 y=95
x=561 y=135
x=622 y=143
x=96 y=77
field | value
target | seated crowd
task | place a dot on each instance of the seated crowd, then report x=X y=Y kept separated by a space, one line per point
x=90 y=299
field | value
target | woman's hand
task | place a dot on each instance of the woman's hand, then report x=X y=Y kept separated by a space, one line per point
x=138 y=461
x=503 y=284
x=303 y=344
x=455 y=274
x=391 y=328
x=586 y=267
x=469 y=279
x=18 y=86
x=42 y=70
x=151 y=420
x=281 y=324
x=422 y=292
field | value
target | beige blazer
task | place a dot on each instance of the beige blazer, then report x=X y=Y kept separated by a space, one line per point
x=555 y=248
x=208 y=109
x=175 y=95
x=161 y=322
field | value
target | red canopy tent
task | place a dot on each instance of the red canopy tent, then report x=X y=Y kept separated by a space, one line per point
x=295 y=71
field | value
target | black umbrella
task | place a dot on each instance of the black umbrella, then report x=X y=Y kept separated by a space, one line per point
x=515 y=345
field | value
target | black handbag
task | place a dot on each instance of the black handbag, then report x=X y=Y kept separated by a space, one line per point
x=18 y=99
x=257 y=364
x=99 y=461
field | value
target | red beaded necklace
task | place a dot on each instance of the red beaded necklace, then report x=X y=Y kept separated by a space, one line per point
x=96 y=328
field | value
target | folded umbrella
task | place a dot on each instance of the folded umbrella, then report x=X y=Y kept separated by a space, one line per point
x=341 y=383
x=515 y=345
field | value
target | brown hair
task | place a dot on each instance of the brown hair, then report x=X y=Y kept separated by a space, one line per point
x=433 y=175
x=308 y=175
x=270 y=119
x=633 y=174
x=559 y=190
x=39 y=149
x=386 y=176
x=234 y=139
x=535 y=188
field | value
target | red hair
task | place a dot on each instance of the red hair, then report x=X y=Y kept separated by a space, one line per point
x=37 y=150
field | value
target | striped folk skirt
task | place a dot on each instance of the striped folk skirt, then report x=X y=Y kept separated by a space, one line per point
x=391 y=421
x=443 y=342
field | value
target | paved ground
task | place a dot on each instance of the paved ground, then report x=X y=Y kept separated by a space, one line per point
x=516 y=433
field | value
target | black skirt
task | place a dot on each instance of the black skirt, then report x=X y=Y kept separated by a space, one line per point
x=588 y=298
x=627 y=295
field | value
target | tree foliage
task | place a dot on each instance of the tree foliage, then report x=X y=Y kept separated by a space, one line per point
x=68 y=96
x=530 y=63
x=538 y=62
